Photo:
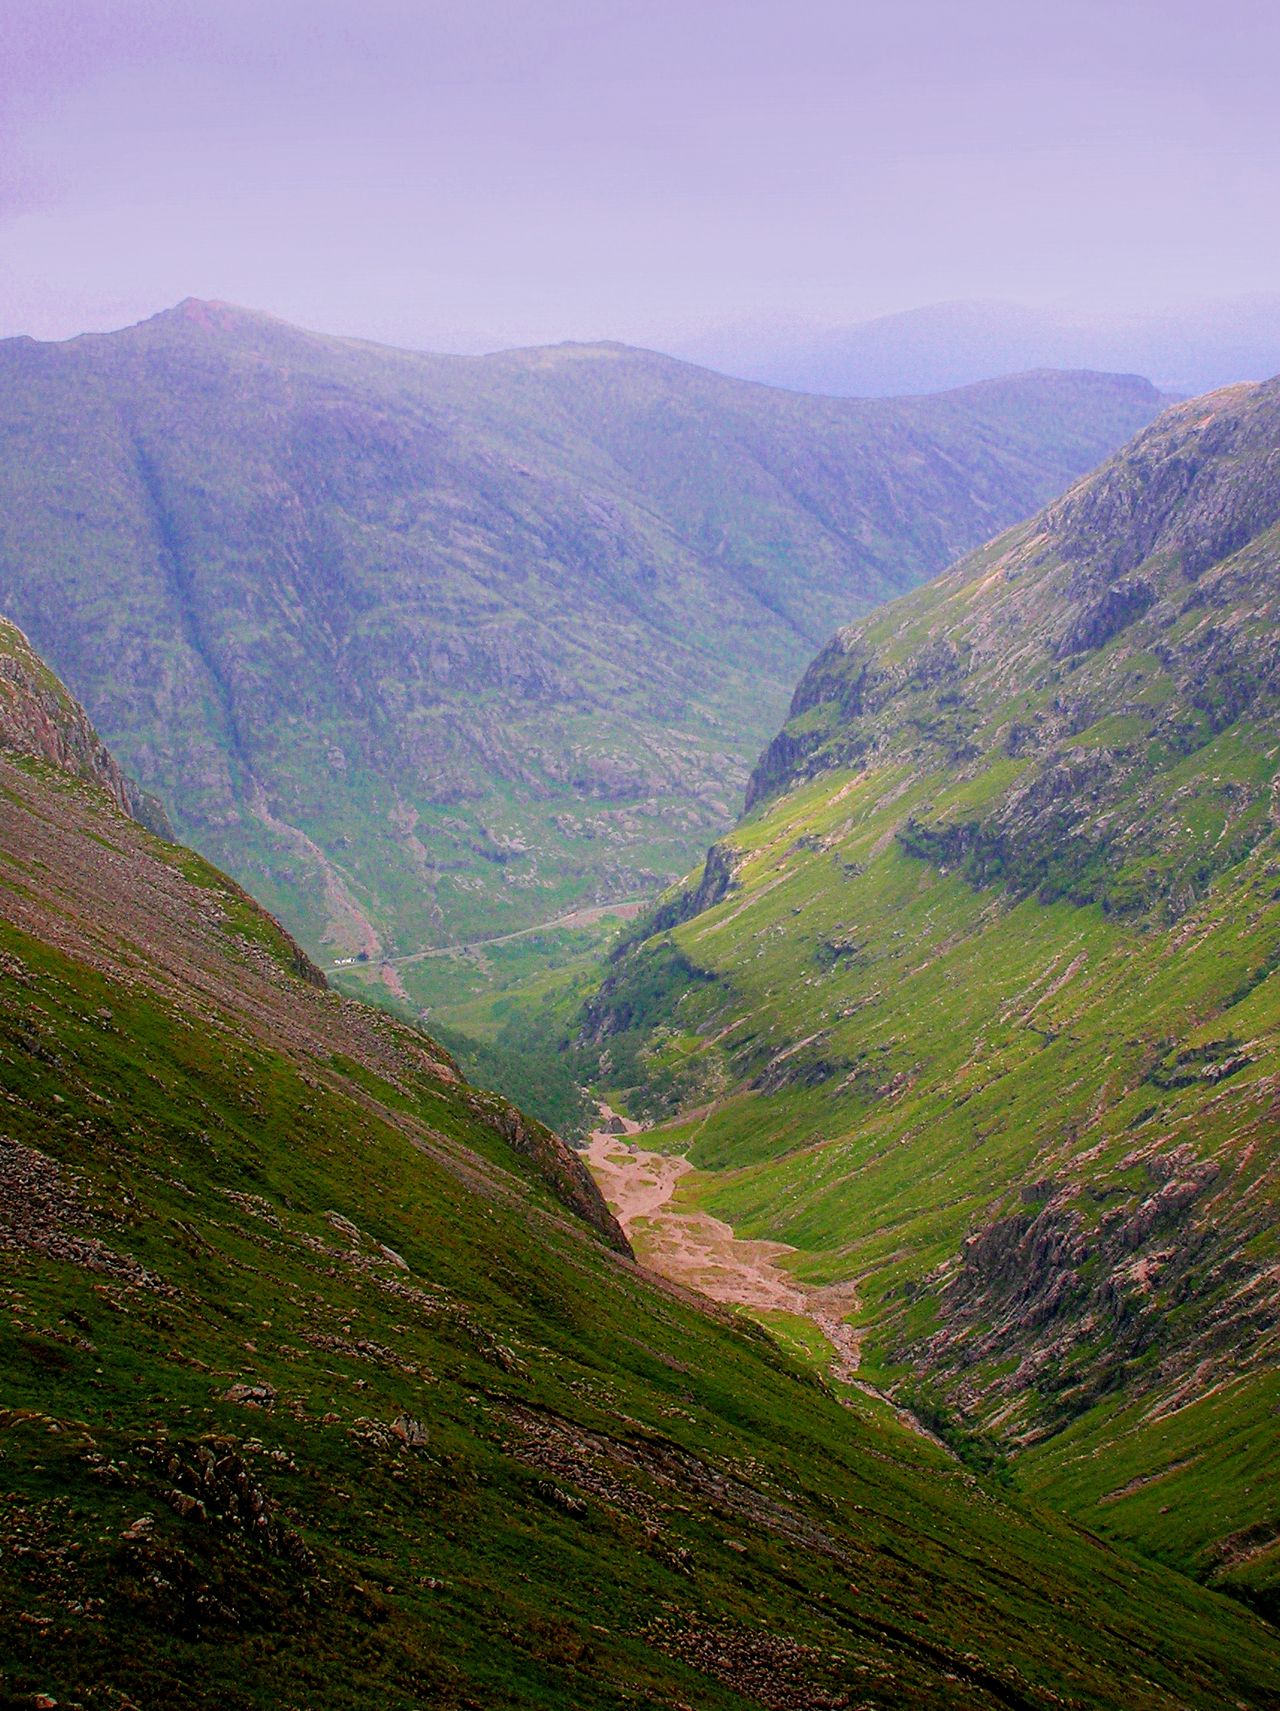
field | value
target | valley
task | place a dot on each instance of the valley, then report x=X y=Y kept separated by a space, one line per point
x=700 y=1252
x=330 y=1379
x=622 y=911
x=863 y=1260
x=689 y=1247
x=428 y=649
x=970 y=1021
x=639 y=856
x=676 y=1239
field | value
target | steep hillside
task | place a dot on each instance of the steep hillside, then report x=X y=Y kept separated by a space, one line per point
x=979 y=1004
x=425 y=649
x=326 y=1382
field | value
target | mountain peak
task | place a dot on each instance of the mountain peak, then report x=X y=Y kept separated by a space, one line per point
x=686 y=541
x=202 y=318
x=208 y=315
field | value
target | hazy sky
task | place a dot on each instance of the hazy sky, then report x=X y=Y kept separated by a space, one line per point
x=496 y=171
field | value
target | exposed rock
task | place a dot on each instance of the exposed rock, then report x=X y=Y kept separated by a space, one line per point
x=251 y=1395
x=561 y=1168
x=1102 y=619
x=411 y=1433
x=38 y=718
x=223 y=1491
x=41 y=1206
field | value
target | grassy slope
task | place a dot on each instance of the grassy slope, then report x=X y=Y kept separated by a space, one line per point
x=424 y=648
x=496 y=1466
x=988 y=1017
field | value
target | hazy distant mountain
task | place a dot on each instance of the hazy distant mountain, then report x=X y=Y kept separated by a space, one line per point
x=422 y=647
x=1185 y=350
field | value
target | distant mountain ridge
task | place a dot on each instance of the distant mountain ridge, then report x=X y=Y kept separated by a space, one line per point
x=426 y=648
x=1185 y=350
x=979 y=1005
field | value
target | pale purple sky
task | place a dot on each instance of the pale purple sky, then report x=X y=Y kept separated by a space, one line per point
x=497 y=171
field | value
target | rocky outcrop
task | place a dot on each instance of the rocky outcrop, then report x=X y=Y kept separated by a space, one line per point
x=1057 y=1303
x=1192 y=490
x=716 y=880
x=40 y=720
x=1100 y=620
x=845 y=684
x=560 y=1167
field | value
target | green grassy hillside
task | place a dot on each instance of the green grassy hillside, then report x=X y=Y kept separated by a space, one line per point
x=979 y=1003
x=424 y=649
x=326 y=1383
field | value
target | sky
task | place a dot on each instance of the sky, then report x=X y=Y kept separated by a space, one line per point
x=488 y=172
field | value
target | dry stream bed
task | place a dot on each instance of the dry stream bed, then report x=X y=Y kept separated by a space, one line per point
x=701 y=1252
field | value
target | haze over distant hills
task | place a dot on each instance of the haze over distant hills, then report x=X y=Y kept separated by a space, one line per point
x=1187 y=349
x=423 y=648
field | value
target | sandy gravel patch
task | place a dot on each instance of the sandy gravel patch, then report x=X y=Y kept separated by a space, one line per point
x=701 y=1252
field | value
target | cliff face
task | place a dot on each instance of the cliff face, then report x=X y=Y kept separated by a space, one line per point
x=426 y=648
x=991 y=1015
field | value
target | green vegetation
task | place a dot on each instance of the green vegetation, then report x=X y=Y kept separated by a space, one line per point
x=986 y=1012
x=427 y=649
x=323 y=1385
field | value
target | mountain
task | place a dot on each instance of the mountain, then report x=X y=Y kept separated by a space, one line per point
x=1189 y=348
x=979 y=1004
x=426 y=649
x=328 y=1379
